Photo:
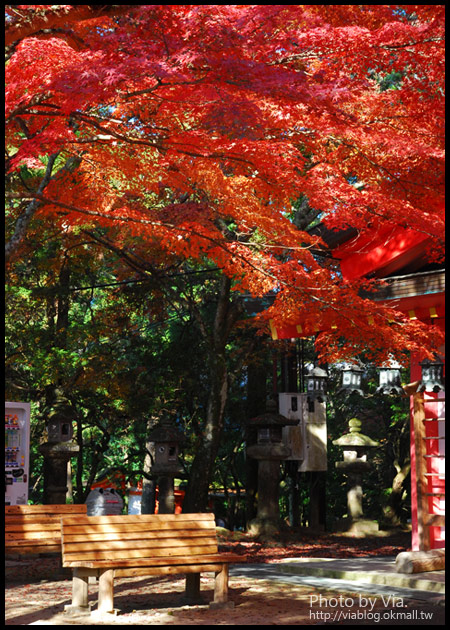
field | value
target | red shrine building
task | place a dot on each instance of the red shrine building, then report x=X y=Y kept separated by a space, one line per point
x=416 y=288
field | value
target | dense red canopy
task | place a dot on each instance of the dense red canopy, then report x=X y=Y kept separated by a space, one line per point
x=194 y=127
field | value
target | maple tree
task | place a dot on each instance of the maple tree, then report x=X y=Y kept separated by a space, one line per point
x=195 y=126
x=187 y=132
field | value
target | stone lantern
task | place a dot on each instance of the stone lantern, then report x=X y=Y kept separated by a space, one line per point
x=355 y=447
x=58 y=449
x=316 y=384
x=269 y=450
x=59 y=426
x=166 y=466
x=351 y=379
x=390 y=379
x=432 y=375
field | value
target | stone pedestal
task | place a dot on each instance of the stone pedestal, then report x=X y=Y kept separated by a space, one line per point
x=354 y=471
x=269 y=451
x=166 y=496
x=360 y=527
x=355 y=465
x=56 y=457
x=166 y=467
x=267 y=521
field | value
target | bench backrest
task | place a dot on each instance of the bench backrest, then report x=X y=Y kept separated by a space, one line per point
x=36 y=528
x=119 y=538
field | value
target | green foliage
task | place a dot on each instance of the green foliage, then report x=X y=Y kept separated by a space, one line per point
x=127 y=353
x=391 y=81
x=123 y=353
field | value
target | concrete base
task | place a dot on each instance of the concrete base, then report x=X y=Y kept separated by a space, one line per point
x=381 y=571
x=69 y=609
x=101 y=614
x=266 y=528
x=220 y=605
x=420 y=561
x=360 y=527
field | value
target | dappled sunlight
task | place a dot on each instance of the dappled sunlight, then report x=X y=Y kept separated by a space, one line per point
x=307 y=545
x=159 y=601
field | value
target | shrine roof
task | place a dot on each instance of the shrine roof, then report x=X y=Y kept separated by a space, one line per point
x=375 y=253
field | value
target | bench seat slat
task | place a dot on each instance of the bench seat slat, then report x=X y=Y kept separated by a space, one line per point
x=57 y=510
x=53 y=526
x=141 y=545
x=117 y=555
x=162 y=537
x=28 y=544
x=33 y=519
x=12 y=539
x=219 y=558
x=33 y=529
x=24 y=542
x=35 y=549
x=172 y=521
x=74 y=527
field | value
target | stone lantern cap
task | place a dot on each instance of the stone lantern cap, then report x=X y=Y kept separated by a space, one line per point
x=318 y=371
x=62 y=410
x=271 y=418
x=355 y=437
x=165 y=432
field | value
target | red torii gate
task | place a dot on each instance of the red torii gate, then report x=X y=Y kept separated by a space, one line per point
x=421 y=295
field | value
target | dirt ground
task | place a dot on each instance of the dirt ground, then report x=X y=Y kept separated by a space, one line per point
x=37 y=591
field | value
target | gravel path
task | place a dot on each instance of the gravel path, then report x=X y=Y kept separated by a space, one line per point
x=36 y=595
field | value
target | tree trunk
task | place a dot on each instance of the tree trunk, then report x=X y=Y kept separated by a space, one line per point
x=216 y=337
x=393 y=509
x=63 y=307
x=256 y=405
x=148 y=500
x=69 y=493
x=196 y=499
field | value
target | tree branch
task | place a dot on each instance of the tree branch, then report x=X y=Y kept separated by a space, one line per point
x=26 y=216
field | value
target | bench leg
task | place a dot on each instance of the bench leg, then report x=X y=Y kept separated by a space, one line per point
x=79 y=594
x=193 y=587
x=106 y=591
x=221 y=590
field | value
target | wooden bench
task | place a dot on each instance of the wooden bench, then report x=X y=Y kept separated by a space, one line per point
x=34 y=529
x=148 y=544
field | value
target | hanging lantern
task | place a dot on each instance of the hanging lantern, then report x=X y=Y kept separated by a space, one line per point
x=432 y=375
x=390 y=379
x=316 y=384
x=351 y=379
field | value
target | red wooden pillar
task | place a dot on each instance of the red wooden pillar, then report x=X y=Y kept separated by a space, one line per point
x=435 y=450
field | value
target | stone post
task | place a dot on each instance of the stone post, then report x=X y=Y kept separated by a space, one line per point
x=58 y=449
x=355 y=448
